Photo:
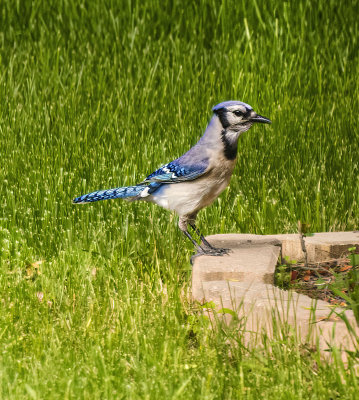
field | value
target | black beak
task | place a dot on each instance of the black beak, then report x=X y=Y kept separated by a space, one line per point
x=259 y=118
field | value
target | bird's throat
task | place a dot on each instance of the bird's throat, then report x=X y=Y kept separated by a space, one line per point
x=230 y=142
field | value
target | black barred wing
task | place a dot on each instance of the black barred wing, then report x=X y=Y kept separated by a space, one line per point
x=174 y=172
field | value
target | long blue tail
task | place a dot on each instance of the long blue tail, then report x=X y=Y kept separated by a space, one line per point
x=117 y=193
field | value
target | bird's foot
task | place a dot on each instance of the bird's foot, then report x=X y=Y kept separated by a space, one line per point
x=223 y=251
x=215 y=251
x=207 y=247
x=212 y=251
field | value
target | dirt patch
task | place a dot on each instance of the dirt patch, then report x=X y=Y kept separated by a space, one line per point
x=331 y=281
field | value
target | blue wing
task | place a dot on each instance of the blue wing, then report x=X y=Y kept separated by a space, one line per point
x=174 y=172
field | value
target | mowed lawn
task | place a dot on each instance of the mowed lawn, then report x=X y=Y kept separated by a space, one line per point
x=95 y=299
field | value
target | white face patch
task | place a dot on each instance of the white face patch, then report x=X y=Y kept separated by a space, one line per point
x=232 y=136
x=239 y=107
x=233 y=119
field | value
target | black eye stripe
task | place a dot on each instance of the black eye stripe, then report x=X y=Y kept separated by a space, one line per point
x=239 y=113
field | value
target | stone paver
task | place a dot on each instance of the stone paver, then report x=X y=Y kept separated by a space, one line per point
x=243 y=282
x=261 y=306
x=320 y=247
x=249 y=263
x=326 y=245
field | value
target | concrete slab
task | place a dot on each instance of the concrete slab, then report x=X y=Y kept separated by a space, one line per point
x=243 y=281
x=320 y=247
x=264 y=308
x=325 y=245
x=245 y=263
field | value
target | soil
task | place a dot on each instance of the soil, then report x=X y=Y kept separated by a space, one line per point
x=317 y=280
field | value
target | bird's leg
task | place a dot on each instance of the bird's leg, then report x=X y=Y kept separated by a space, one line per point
x=199 y=248
x=204 y=248
x=199 y=233
x=205 y=241
x=182 y=224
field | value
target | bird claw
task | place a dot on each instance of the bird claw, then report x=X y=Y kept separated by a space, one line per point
x=224 y=251
x=213 y=251
x=210 y=251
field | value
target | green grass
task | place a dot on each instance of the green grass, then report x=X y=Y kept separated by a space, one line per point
x=98 y=94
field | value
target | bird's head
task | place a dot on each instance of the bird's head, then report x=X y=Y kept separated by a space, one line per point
x=236 y=116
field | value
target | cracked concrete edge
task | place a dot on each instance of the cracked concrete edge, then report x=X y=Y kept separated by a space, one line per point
x=264 y=309
x=252 y=263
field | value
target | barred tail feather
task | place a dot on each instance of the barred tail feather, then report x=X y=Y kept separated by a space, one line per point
x=117 y=193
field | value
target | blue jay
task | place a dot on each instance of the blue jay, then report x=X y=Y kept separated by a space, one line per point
x=194 y=180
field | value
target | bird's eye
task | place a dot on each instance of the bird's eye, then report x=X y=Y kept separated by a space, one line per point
x=238 y=113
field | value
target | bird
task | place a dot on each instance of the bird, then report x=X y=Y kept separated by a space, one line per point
x=196 y=179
